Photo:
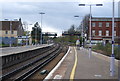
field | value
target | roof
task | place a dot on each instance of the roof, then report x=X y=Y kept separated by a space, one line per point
x=6 y=25
x=104 y=19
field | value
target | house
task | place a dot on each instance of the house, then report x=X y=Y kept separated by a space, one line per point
x=10 y=31
x=101 y=29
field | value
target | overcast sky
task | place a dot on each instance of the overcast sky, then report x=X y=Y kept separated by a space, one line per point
x=59 y=14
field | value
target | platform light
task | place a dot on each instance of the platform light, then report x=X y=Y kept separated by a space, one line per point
x=90 y=5
x=112 y=58
x=41 y=26
x=82 y=28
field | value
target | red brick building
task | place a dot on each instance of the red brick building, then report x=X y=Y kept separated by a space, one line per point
x=101 y=29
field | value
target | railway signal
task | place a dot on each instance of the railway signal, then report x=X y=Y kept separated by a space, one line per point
x=49 y=34
x=71 y=34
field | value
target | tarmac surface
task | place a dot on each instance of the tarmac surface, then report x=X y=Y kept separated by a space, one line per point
x=78 y=65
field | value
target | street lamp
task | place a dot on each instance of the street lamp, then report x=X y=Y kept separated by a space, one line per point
x=36 y=36
x=41 y=26
x=90 y=5
x=28 y=32
x=112 y=58
x=26 y=28
x=27 y=39
x=10 y=43
x=82 y=28
x=10 y=33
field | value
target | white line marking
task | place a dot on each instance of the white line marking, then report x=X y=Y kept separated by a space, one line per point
x=98 y=75
x=56 y=67
x=57 y=77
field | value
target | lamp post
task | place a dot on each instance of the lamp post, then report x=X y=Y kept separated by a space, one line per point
x=10 y=44
x=26 y=28
x=27 y=33
x=41 y=27
x=90 y=5
x=36 y=36
x=112 y=58
x=82 y=28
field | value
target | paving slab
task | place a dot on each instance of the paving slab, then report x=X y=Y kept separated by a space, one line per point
x=97 y=67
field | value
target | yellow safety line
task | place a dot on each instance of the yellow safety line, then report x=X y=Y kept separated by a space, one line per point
x=74 y=67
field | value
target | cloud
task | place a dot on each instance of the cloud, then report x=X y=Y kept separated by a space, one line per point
x=48 y=28
x=58 y=15
x=85 y=1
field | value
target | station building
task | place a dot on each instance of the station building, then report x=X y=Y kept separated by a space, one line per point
x=6 y=34
x=101 y=29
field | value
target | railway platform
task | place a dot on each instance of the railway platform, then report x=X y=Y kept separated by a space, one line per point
x=14 y=50
x=78 y=66
x=13 y=55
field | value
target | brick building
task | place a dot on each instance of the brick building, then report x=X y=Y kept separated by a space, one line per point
x=101 y=29
x=6 y=35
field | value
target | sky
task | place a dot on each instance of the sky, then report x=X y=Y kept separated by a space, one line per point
x=59 y=14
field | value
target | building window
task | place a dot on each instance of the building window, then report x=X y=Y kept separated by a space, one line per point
x=6 y=32
x=107 y=24
x=100 y=33
x=12 y=32
x=100 y=24
x=6 y=37
x=93 y=32
x=114 y=33
x=115 y=24
x=12 y=37
x=93 y=24
x=107 y=33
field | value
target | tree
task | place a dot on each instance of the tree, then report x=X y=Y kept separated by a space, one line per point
x=70 y=36
x=85 y=22
x=71 y=30
x=36 y=33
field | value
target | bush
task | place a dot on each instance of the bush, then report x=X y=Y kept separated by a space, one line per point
x=3 y=43
x=107 y=49
x=116 y=52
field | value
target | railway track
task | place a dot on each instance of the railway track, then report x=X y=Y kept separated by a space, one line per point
x=23 y=72
x=41 y=51
x=10 y=68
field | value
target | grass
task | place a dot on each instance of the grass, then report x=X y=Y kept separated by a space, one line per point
x=4 y=45
x=107 y=50
x=7 y=45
